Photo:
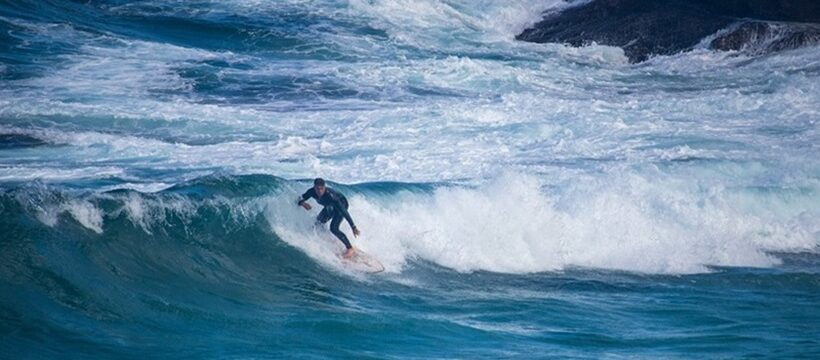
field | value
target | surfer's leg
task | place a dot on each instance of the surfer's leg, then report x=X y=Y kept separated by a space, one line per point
x=334 y=228
x=323 y=217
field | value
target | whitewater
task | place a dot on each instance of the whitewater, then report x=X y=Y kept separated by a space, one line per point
x=527 y=200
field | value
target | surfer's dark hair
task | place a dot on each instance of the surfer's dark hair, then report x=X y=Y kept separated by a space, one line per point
x=319 y=182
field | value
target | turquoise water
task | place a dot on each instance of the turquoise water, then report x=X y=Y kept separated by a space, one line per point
x=527 y=200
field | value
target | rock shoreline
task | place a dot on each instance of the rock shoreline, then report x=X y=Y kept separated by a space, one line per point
x=644 y=28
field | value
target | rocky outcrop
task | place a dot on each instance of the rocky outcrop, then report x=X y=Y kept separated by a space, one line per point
x=661 y=27
x=757 y=37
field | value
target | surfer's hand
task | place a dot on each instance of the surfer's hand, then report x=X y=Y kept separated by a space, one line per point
x=356 y=232
x=306 y=206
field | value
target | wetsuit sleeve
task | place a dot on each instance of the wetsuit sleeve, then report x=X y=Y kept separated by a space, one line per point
x=307 y=195
x=344 y=212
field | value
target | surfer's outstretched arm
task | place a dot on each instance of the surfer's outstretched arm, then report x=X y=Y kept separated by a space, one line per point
x=303 y=199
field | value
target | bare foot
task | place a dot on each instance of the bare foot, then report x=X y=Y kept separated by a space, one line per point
x=349 y=253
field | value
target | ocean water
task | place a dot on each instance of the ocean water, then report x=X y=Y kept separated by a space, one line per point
x=527 y=200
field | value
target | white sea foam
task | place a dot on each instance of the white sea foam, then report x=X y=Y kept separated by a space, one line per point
x=48 y=209
x=136 y=212
x=546 y=104
x=151 y=187
x=86 y=214
x=58 y=173
x=132 y=69
x=414 y=21
x=512 y=225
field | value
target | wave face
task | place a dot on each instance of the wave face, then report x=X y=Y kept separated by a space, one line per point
x=232 y=259
x=525 y=199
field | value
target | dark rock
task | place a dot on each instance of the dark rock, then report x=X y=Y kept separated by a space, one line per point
x=757 y=37
x=659 y=27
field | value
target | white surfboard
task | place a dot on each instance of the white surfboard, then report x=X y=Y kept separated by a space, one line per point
x=363 y=262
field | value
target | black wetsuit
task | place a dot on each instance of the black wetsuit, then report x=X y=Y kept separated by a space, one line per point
x=335 y=207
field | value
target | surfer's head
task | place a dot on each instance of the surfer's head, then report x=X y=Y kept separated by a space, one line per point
x=319 y=186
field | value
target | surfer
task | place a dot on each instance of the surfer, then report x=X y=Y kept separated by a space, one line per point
x=335 y=208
